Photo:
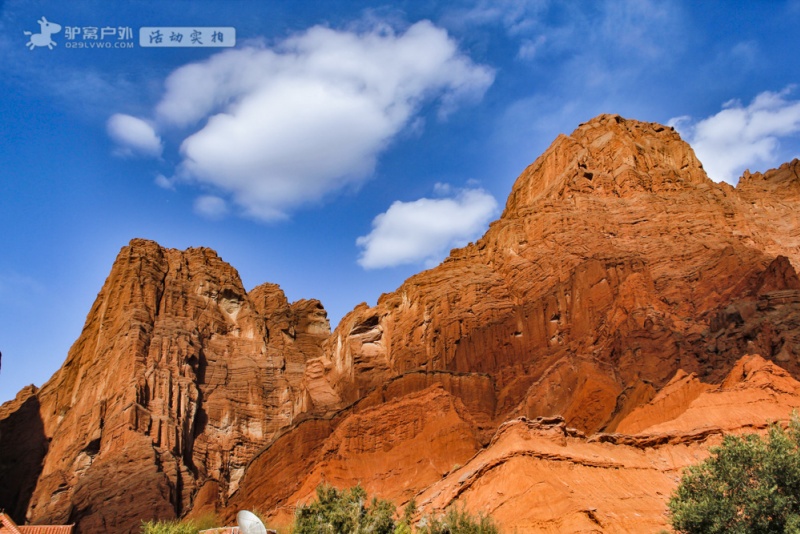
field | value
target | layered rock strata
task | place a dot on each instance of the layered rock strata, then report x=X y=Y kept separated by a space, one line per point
x=618 y=272
x=616 y=264
x=540 y=476
x=608 y=271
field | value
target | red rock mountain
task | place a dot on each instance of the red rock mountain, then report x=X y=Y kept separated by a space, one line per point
x=178 y=378
x=612 y=299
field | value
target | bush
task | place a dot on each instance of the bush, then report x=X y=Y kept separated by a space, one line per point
x=344 y=512
x=175 y=526
x=456 y=521
x=748 y=485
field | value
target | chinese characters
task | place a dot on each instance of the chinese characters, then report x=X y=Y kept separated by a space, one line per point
x=187 y=37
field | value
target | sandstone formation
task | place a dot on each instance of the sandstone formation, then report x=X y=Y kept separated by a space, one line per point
x=541 y=476
x=612 y=299
x=599 y=281
x=177 y=379
x=616 y=264
x=403 y=437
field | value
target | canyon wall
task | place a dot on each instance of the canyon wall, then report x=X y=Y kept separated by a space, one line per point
x=617 y=273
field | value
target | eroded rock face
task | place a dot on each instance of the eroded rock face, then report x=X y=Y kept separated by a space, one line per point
x=613 y=255
x=541 y=476
x=177 y=379
x=618 y=289
x=616 y=265
x=391 y=450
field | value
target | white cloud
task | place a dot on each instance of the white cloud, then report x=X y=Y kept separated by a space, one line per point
x=739 y=137
x=133 y=135
x=210 y=207
x=425 y=229
x=608 y=36
x=285 y=126
x=164 y=182
x=442 y=189
x=517 y=16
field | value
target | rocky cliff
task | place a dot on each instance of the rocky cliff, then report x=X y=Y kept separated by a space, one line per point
x=613 y=265
x=177 y=379
x=542 y=476
x=618 y=273
x=616 y=265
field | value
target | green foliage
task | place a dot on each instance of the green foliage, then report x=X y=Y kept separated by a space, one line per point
x=748 y=485
x=175 y=526
x=404 y=526
x=456 y=521
x=207 y=521
x=344 y=512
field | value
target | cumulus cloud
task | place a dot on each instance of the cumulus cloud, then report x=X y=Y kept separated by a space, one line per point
x=426 y=229
x=210 y=207
x=284 y=126
x=133 y=136
x=739 y=136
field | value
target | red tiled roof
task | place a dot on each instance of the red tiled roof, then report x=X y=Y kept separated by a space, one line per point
x=7 y=526
x=45 y=529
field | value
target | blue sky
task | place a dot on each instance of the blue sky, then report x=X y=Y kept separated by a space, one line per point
x=338 y=147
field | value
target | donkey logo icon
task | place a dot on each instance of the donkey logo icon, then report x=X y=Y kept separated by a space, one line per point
x=43 y=37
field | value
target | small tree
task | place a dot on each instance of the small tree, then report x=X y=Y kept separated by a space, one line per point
x=404 y=526
x=748 y=485
x=345 y=511
x=458 y=521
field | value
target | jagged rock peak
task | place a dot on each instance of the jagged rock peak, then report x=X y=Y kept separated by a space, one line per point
x=779 y=275
x=177 y=378
x=783 y=182
x=609 y=156
x=145 y=246
x=153 y=251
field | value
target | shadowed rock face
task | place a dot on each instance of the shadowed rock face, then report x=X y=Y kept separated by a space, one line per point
x=617 y=270
x=22 y=450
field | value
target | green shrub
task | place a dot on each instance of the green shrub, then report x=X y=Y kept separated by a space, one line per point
x=168 y=527
x=404 y=526
x=456 y=521
x=176 y=526
x=344 y=512
x=748 y=485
